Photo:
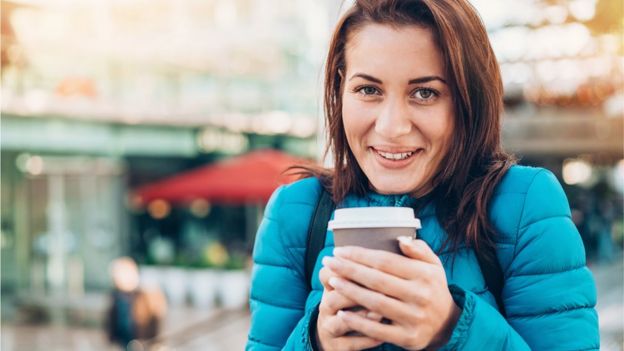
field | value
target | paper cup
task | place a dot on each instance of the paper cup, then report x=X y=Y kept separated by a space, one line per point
x=373 y=227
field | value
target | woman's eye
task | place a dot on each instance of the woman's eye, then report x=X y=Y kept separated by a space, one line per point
x=425 y=94
x=368 y=90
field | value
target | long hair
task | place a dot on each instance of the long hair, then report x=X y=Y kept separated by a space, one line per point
x=475 y=161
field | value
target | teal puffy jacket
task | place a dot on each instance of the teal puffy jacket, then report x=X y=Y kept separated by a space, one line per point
x=549 y=294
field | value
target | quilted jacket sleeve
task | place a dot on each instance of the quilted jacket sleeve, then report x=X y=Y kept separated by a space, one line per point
x=549 y=293
x=278 y=290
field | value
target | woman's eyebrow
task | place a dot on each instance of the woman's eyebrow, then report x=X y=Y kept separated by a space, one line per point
x=411 y=81
x=426 y=79
x=367 y=77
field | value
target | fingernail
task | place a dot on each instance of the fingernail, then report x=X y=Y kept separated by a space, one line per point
x=326 y=261
x=339 y=251
x=340 y=313
x=334 y=282
x=405 y=240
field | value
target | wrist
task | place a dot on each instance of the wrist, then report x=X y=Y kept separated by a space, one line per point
x=445 y=333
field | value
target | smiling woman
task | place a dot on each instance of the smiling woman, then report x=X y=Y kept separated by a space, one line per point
x=397 y=108
x=413 y=102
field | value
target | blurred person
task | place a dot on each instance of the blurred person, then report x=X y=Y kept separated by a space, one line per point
x=135 y=312
x=413 y=102
x=584 y=217
x=606 y=215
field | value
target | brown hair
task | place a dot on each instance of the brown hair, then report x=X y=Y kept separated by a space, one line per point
x=475 y=161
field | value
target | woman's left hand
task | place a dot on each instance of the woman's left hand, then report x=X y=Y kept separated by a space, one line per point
x=411 y=291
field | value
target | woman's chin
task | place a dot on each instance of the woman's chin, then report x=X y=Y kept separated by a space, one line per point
x=392 y=188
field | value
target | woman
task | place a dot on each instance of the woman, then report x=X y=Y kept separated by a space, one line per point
x=413 y=100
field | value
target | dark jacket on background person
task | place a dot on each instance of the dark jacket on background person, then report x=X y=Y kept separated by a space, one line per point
x=130 y=317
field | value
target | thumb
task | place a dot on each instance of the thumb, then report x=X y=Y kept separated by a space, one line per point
x=417 y=249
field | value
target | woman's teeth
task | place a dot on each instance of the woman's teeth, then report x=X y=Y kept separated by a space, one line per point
x=397 y=156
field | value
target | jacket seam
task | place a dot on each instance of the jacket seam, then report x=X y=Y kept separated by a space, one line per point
x=539 y=314
x=565 y=270
x=274 y=265
x=262 y=342
x=277 y=305
x=298 y=203
x=515 y=253
x=543 y=219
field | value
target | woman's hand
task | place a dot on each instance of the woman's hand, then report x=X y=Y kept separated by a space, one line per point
x=410 y=291
x=331 y=330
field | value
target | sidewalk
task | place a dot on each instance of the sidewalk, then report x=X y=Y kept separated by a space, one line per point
x=184 y=329
x=610 y=286
x=216 y=330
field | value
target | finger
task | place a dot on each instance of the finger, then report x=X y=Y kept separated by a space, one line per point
x=375 y=330
x=337 y=327
x=377 y=280
x=364 y=313
x=334 y=326
x=324 y=274
x=391 y=263
x=349 y=343
x=374 y=316
x=374 y=301
x=333 y=301
x=418 y=249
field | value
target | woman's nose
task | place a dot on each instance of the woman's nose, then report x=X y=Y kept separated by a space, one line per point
x=393 y=120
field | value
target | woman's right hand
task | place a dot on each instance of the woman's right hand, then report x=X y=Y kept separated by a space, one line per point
x=331 y=331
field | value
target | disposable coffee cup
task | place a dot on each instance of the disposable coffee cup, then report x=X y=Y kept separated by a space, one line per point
x=373 y=227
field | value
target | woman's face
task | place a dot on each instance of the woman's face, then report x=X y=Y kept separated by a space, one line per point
x=397 y=107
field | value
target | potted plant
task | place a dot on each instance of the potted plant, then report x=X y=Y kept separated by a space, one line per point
x=151 y=275
x=203 y=282
x=176 y=280
x=234 y=282
x=160 y=255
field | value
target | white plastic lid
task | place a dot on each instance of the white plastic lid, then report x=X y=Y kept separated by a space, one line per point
x=374 y=217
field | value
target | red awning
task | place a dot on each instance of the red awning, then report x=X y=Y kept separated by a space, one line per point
x=244 y=179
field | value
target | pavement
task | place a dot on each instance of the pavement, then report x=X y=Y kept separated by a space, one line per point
x=610 y=287
x=184 y=329
x=188 y=329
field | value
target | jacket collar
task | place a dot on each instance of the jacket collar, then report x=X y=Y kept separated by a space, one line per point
x=400 y=200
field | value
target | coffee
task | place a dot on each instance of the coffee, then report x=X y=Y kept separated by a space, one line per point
x=373 y=227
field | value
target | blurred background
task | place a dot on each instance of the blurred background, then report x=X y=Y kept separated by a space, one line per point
x=156 y=130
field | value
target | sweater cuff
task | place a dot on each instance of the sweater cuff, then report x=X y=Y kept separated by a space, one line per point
x=466 y=302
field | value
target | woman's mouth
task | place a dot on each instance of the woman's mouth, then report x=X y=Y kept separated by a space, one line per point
x=395 y=159
x=395 y=156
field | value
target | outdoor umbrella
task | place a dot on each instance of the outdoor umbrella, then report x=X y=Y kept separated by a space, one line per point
x=249 y=178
